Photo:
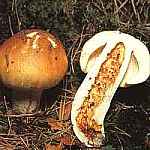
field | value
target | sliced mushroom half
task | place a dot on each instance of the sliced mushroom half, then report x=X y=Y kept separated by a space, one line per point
x=106 y=72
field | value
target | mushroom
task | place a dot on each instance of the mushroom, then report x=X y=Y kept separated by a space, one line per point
x=109 y=63
x=30 y=61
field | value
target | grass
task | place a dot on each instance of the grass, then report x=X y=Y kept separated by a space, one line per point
x=75 y=21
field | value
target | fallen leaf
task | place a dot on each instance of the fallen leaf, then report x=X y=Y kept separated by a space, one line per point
x=55 y=124
x=66 y=139
x=65 y=110
x=53 y=146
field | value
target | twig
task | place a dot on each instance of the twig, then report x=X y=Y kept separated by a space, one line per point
x=67 y=90
x=27 y=141
x=73 y=54
x=121 y=6
x=14 y=7
x=60 y=110
x=4 y=143
x=104 y=9
x=69 y=97
x=24 y=142
x=77 y=50
x=63 y=101
x=146 y=14
x=10 y=26
x=120 y=142
x=36 y=114
x=9 y=121
x=122 y=132
x=117 y=11
x=135 y=12
x=16 y=135
x=123 y=106
x=73 y=45
x=130 y=19
x=71 y=62
x=122 y=3
x=134 y=9
x=66 y=85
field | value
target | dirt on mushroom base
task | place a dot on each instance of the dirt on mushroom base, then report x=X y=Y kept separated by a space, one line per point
x=127 y=120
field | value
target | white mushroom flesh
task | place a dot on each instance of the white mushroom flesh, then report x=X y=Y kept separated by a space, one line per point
x=104 y=80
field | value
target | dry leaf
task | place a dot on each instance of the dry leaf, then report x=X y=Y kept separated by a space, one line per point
x=55 y=124
x=66 y=139
x=53 y=147
x=65 y=110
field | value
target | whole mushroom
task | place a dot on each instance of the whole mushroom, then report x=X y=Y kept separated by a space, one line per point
x=110 y=59
x=30 y=61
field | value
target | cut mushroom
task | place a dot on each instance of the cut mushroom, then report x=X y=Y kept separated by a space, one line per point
x=30 y=61
x=108 y=70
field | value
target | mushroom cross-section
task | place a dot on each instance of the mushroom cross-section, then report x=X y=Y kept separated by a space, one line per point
x=108 y=63
x=30 y=61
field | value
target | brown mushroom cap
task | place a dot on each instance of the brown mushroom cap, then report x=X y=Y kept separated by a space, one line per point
x=32 y=59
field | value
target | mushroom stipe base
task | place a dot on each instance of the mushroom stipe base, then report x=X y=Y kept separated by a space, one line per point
x=26 y=101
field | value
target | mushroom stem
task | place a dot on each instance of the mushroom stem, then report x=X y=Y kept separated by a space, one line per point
x=26 y=101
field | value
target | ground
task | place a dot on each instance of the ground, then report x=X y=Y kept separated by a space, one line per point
x=75 y=21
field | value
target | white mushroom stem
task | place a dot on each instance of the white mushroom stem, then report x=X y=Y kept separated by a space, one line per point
x=26 y=101
x=86 y=118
